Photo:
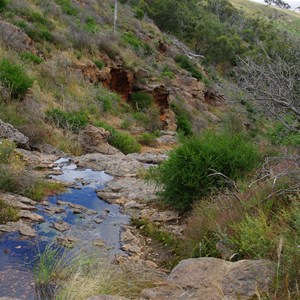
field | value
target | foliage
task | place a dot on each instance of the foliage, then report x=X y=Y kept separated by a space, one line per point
x=182 y=119
x=30 y=57
x=184 y=62
x=73 y=121
x=108 y=100
x=147 y=139
x=99 y=63
x=67 y=7
x=137 y=44
x=3 y=4
x=7 y=213
x=121 y=140
x=140 y=100
x=14 y=78
x=188 y=173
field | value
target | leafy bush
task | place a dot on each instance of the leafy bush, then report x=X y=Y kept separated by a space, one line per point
x=73 y=121
x=91 y=25
x=137 y=44
x=28 y=56
x=7 y=213
x=185 y=63
x=99 y=63
x=14 y=78
x=254 y=237
x=108 y=100
x=67 y=7
x=3 y=4
x=121 y=140
x=187 y=175
x=182 y=119
x=140 y=100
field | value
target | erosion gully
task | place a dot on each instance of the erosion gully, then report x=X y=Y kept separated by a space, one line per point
x=87 y=217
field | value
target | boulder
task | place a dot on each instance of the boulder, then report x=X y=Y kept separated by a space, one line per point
x=166 y=140
x=16 y=38
x=215 y=279
x=94 y=140
x=9 y=132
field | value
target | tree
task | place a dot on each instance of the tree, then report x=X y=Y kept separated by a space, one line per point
x=273 y=83
x=279 y=3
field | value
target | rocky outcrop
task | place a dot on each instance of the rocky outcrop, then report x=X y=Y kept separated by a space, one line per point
x=16 y=38
x=214 y=279
x=20 y=226
x=9 y=132
x=18 y=201
x=166 y=140
x=94 y=140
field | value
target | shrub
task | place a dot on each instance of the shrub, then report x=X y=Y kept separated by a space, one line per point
x=121 y=140
x=108 y=100
x=99 y=63
x=3 y=4
x=185 y=63
x=67 y=7
x=253 y=237
x=182 y=119
x=6 y=150
x=30 y=57
x=73 y=121
x=14 y=78
x=147 y=139
x=187 y=175
x=140 y=100
x=137 y=44
x=7 y=213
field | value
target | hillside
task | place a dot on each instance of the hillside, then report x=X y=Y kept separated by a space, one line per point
x=149 y=150
x=285 y=19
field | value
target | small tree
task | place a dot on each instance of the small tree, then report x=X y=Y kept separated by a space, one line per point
x=278 y=3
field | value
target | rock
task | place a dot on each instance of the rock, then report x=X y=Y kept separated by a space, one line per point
x=18 y=201
x=67 y=241
x=77 y=208
x=99 y=243
x=98 y=220
x=16 y=38
x=116 y=165
x=9 y=132
x=149 y=158
x=166 y=140
x=20 y=226
x=130 y=189
x=169 y=119
x=25 y=214
x=54 y=210
x=215 y=279
x=38 y=160
x=94 y=139
x=61 y=226
x=106 y=297
x=165 y=216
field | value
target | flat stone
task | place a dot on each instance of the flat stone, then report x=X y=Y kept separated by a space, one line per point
x=99 y=243
x=20 y=226
x=18 y=201
x=67 y=241
x=165 y=216
x=54 y=210
x=25 y=214
x=61 y=226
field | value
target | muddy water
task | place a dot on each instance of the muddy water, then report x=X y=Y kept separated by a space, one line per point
x=93 y=220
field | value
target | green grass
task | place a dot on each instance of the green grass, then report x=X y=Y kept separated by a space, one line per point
x=30 y=57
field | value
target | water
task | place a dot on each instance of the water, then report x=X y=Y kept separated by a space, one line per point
x=18 y=254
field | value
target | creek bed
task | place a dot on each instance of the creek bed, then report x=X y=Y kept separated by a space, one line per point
x=87 y=217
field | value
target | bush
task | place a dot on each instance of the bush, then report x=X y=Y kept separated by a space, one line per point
x=73 y=121
x=136 y=44
x=67 y=7
x=108 y=100
x=14 y=78
x=182 y=119
x=140 y=100
x=7 y=213
x=30 y=57
x=187 y=175
x=185 y=63
x=122 y=141
x=99 y=63
x=147 y=139
x=3 y=4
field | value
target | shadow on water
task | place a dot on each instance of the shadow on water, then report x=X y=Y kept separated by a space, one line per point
x=98 y=221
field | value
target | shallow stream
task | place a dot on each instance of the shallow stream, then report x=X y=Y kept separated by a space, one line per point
x=91 y=222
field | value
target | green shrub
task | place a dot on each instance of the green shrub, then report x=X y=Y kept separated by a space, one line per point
x=137 y=44
x=167 y=73
x=6 y=150
x=73 y=121
x=141 y=101
x=99 y=63
x=108 y=100
x=91 y=25
x=185 y=63
x=147 y=139
x=28 y=56
x=187 y=175
x=182 y=119
x=7 y=213
x=122 y=141
x=3 y=4
x=253 y=237
x=67 y=7
x=139 y=13
x=14 y=78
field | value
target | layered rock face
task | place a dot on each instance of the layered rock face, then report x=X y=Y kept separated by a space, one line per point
x=214 y=279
